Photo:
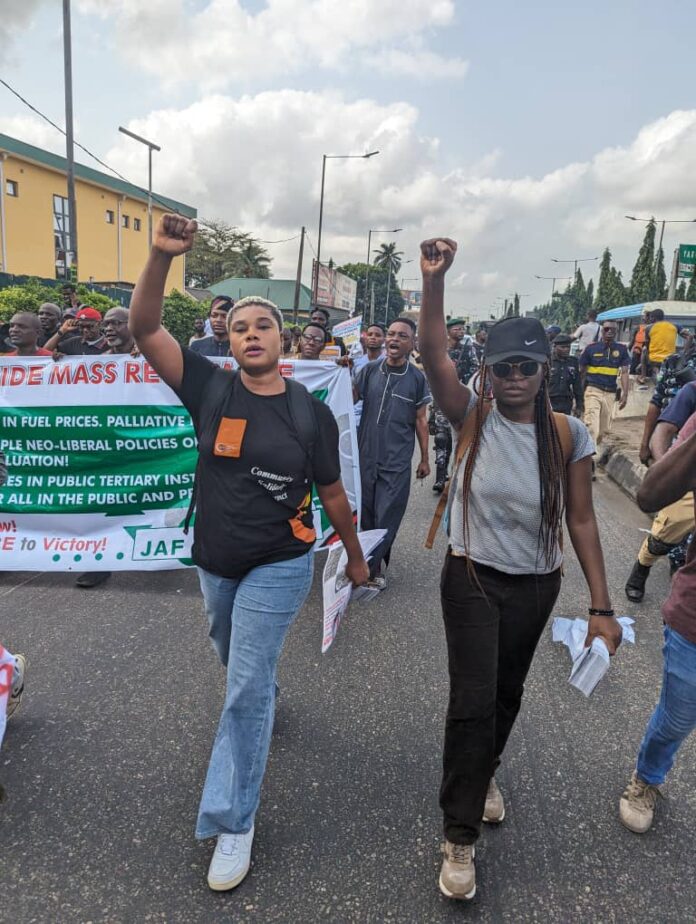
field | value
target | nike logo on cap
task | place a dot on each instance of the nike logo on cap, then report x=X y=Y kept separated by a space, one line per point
x=529 y=342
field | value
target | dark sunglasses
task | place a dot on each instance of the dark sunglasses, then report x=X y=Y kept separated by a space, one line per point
x=609 y=330
x=528 y=368
x=308 y=338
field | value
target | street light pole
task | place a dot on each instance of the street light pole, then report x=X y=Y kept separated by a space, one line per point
x=326 y=157
x=151 y=146
x=575 y=262
x=554 y=279
x=369 y=245
x=663 y=222
x=70 y=153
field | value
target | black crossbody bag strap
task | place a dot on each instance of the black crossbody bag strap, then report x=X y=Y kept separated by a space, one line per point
x=304 y=422
x=223 y=395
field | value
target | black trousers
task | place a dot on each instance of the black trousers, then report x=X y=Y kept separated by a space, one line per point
x=491 y=641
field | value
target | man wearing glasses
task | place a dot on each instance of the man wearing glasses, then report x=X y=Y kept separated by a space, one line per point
x=219 y=343
x=600 y=364
x=312 y=341
x=116 y=333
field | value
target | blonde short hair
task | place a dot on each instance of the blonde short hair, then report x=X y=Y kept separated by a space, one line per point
x=250 y=300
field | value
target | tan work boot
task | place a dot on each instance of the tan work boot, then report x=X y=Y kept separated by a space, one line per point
x=494 y=810
x=637 y=805
x=458 y=873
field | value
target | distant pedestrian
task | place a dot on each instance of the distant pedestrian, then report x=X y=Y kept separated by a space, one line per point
x=480 y=344
x=588 y=332
x=218 y=343
x=660 y=341
x=198 y=330
x=600 y=365
x=674 y=718
x=395 y=396
x=460 y=350
x=312 y=341
x=50 y=317
x=24 y=333
x=565 y=386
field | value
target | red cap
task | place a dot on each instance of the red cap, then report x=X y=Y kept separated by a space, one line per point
x=90 y=314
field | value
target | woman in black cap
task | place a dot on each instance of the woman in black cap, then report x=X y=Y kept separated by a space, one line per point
x=519 y=469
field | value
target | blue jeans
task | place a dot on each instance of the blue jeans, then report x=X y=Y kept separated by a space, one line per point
x=674 y=717
x=249 y=619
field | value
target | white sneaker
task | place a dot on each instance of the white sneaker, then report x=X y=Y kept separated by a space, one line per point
x=231 y=860
x=17 y=684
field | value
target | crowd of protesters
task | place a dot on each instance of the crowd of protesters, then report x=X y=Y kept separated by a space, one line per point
x=517 y=422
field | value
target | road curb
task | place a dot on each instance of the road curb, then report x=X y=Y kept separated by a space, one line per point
x=624 y=468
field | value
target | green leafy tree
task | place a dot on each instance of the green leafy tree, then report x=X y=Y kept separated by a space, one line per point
x=660 y=275
x=590 y=293
x=680 y=293
x=221 y=250
x=27 y=297
x=378 y=282
x=643 y=286
x=179 y=312
x=388 y=257
x=690 y=294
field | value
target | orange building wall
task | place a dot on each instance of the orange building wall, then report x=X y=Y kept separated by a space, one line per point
x=29 y=228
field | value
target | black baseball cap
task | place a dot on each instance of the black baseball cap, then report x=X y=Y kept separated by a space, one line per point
x=562 y=340
x=516 y=337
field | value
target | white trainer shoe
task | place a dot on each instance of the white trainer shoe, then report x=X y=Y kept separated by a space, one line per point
x=231 y=860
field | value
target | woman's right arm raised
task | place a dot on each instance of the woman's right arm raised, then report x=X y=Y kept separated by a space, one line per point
x=450 y=395
x=173 y=237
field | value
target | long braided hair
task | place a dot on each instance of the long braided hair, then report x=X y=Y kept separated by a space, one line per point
x=552 y=469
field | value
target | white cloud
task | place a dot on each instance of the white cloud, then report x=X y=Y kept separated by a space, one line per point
x=256 y=161
x=33 y=130
x=16 y=16
x=223 y=41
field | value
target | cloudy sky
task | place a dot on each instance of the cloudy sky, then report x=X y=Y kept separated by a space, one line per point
x=525 y=130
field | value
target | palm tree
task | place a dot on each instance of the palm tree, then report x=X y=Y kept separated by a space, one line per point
x=388 y=257
x=253 y=259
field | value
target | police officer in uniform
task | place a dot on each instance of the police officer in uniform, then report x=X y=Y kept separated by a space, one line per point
x=461 y=351
x=565 y=385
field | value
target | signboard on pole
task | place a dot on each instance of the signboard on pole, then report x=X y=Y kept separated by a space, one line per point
x=687 y=260
x=334 y=289
x=413 y=299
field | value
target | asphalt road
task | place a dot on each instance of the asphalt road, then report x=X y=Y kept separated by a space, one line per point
x=104 y=762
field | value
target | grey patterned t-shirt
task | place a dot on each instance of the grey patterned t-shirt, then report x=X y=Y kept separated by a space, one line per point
x=505 y=502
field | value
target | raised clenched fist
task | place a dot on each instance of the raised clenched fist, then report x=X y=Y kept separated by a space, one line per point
x=174 y=235
x=437 y=255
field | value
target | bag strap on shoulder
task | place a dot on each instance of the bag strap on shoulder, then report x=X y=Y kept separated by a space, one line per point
x=565 y=435
x=220 y=395
x=303 y=419
x=466 y=436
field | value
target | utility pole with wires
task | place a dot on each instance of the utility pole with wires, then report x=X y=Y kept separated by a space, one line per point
x=298 y=279
x=70 y=152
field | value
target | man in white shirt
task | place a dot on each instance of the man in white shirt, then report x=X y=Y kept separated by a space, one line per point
x=589 y=332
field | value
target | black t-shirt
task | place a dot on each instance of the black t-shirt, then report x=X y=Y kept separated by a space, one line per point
x=75 y=346
x=256 y=509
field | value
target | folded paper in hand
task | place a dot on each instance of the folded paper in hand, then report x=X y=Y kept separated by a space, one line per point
x=338 y=589
x=589 y=664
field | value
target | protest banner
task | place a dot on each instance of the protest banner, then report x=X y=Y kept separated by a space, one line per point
x=349 y=332
x=101 y=457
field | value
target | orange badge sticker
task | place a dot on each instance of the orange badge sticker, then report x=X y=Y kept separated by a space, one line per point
x=230 y=435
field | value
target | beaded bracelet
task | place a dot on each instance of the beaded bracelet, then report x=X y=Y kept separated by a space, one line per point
x=593 y=611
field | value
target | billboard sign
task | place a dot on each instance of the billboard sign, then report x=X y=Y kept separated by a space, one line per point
x=687 y=260
x=334 y=289
x=413 y=299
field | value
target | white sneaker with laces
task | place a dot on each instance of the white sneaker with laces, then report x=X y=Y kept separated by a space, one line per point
x=231 y=860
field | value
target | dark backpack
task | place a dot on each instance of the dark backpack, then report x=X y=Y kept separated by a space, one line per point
x=302 y=418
